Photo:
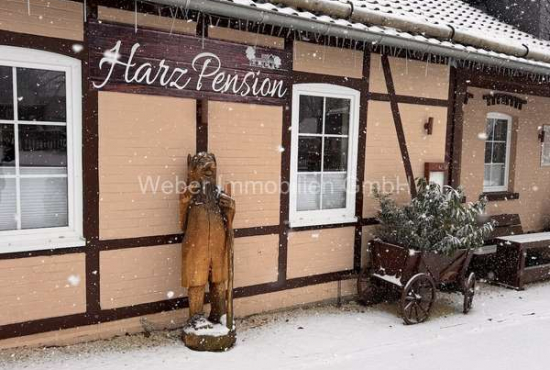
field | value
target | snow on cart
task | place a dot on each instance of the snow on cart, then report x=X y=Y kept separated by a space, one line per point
x=423 y=247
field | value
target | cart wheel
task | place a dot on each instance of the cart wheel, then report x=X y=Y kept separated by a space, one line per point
x=469 y=292
x=368 y=291
x=417 y=299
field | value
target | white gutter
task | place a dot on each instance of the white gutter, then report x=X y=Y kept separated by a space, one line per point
x=235 y=10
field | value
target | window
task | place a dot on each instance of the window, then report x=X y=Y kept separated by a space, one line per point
x=40 y=159
x=497 y=152
x=324 y=154
x=546 y=146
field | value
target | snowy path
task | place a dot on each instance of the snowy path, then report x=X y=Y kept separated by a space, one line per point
x=505 y=330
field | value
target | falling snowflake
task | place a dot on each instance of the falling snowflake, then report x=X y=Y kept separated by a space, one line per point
x=74 y=280
x=77 y=48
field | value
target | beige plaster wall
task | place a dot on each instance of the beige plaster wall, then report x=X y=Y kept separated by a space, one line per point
x=140 y=275
x=133 y=276
x=51 y=18
x=175 y=319
x=383 y=162
x=367 y=234
x=250 y=38
x=411 y=77
x=142 y=137
x=146 y=20
x=327 y=60
x=41 y=287
x=528 y=177
x=256 y=260
x=246 y=139
x=316 y=252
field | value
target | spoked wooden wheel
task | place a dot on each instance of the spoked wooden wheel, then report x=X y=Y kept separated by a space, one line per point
x=367 y=289
x=417 y=299
x=469 y=292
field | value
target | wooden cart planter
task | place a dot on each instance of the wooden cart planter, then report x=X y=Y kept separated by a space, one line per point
x=416 y=275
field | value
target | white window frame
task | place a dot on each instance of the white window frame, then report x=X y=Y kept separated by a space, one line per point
x=55 y=237
x=505 y=187
x=329 y=216
x=546 y=142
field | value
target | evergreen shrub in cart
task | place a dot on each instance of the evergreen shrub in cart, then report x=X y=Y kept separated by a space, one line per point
x=423 y=246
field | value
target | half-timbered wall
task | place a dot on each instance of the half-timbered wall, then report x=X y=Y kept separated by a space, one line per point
x=139 y=137
x=52 y=18
x=528 y=179
x=421 y=91
x=130 y=267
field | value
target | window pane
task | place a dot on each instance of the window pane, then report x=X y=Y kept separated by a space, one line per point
x=336 y=154
x=546 y=147
x=499 y=153
x=488 y=152
x=43 y=203
x=309 y=154
x=7 y=150
x=41 y=148
x=501 y=130
x=309 y=192
x=337 y=116
x=311 y=114
x=8 y=208
x=6 y=92
x=487 y=175
x=494 y=175
x=489 y=129
x=41 y=95
x=334 y=191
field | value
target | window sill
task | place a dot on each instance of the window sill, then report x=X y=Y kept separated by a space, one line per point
x=29 y=243
x=500 y=195
x=322 y=221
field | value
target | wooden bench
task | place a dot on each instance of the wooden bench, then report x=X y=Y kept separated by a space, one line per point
x=484 y=259
x=506 y=225
x=522 y=259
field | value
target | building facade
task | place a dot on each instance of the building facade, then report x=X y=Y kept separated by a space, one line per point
x=101 y=102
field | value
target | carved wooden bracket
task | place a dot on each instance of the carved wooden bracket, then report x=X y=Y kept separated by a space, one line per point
x=504 y=99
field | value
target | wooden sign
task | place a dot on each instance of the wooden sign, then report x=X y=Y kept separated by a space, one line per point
x=123 y=59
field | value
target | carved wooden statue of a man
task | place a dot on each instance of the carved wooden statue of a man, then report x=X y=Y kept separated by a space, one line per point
x=205 y=212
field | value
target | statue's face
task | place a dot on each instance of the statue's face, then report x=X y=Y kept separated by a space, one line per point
x=203 y=168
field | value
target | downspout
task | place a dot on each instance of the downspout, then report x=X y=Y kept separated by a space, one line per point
x=255 y=14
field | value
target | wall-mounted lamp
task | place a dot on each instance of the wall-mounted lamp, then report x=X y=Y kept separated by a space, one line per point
x=429 y=126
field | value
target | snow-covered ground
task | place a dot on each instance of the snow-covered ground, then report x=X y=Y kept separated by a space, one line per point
x=505 y=330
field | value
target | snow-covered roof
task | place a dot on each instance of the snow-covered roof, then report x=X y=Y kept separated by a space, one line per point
x=460 y=16
x=455 y=13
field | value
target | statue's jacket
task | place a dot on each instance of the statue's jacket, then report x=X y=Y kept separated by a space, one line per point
x=204 y=249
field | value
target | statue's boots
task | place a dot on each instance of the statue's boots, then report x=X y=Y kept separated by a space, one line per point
x=217 y=302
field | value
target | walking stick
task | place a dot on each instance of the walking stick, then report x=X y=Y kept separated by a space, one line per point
x=230 y=254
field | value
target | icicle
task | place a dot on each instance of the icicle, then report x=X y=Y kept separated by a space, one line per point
x=202 y=33
x=406 y=62
x=135 y=15
x=174 y=16
x=427 y=63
